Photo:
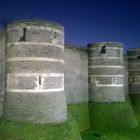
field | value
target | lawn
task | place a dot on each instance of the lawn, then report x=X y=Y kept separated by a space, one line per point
x=10 y=130
x=110 y=121
x=118 y=134
x=114 y=121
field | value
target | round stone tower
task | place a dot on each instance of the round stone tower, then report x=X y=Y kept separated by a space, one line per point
x=2 y=69
x=126 y=76
x=107 y=88
x=134 y=70
x=106 y=78
x=35 y=73
x=134 y=79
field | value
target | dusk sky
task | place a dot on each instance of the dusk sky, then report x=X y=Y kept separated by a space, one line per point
x=85 y=21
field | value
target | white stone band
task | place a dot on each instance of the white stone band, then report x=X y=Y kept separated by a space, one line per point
x=37 y=74
x=35 y=59
x=106 y=66
x=106 y=75
x=103 y=85
x=34 y=90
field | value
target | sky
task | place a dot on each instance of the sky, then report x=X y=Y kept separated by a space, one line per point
x=85 y=21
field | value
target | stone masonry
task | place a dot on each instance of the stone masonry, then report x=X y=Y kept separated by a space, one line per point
x=106 y=76
x=2 y=69
x=76 y=74
x=35 y=72
x=134 y=70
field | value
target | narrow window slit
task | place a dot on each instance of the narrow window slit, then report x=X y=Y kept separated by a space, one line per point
x=55 y=35
x=23 y=38
x=39 y=80
x=103 y=50
x=138 y=57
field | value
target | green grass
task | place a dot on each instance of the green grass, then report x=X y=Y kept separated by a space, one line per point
x=81 y=114
x=10 y=130
x=135 y=101
x=117 y=115
x=110 y=121
x=118 y=134
x=113 y=121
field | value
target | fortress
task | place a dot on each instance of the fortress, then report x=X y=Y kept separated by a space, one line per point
x=43 y=80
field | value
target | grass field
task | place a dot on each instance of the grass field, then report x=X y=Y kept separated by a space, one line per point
x=114 y=121
x=80 y=113
x=117 y=115
x=135 y=102
x=118 y=134
x=111 y=121
x=10 y=130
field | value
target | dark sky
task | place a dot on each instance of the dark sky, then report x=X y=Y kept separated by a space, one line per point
x=85 y=21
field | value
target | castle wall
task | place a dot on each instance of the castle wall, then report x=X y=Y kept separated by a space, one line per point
x=76 y=74
x=2 y=69
x=35 y=72
x=76 y=84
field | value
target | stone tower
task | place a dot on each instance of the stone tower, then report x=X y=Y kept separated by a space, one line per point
x=134 y=70
x=2 y=69
x=106 y=79
x=134 y=78
x=107 y=88
x=35 y=72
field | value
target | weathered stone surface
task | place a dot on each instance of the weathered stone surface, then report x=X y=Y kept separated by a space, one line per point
x=53 y=82
x=134 y=70
x=106 y=72
x=37 y=23
x=35 y=32
x=34 y=50
x=22 y=82
x=2 y=51
x=35 y=72
x=76 y=74
x=126 y=75
x=34 y=66
x=106 y=94
x=110 y=51
x=2 y=69
x=76 y=84
x=104 y=61
x=112 y=71
x=36 y=107
x=2 y=81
